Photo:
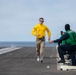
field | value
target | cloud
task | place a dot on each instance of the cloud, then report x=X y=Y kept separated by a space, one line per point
x=17 y=17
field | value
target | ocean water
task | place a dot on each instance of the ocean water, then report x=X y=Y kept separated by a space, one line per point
x=24 y=44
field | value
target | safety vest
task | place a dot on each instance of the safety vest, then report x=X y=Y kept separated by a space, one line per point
x=72 y=37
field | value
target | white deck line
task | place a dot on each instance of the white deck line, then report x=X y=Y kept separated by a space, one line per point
x=5 y=50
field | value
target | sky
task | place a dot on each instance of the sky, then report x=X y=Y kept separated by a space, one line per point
x=18 y=17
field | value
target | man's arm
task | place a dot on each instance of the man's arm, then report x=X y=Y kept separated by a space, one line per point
x=63 y=37
x=48 y=32
x=34 y=31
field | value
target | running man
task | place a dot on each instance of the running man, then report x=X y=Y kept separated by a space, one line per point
x=40 y=32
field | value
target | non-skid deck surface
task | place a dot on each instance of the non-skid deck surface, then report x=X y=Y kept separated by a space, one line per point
x=23 y=62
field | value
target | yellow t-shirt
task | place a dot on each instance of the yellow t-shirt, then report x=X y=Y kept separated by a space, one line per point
x=41 y=30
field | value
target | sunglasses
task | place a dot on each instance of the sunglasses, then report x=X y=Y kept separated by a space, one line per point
x=41 y=21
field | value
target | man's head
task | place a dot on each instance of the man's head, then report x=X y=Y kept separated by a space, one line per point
x=61 y=32
x=41 y=20
x=67 y=27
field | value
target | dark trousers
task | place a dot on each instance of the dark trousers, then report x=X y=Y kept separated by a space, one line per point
x=70 y=49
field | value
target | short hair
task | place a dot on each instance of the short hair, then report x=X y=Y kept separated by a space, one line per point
x=61 y=31
x=41 y=18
